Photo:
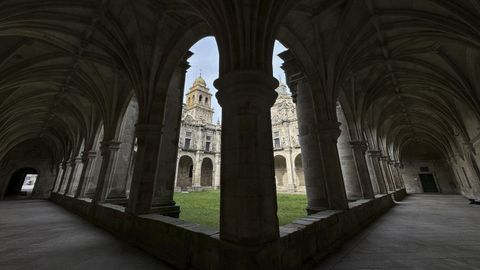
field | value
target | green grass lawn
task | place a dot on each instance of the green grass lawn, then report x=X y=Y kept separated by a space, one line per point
x=204 y=207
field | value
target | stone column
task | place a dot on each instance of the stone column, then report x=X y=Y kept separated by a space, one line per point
x=108 y=150
x=377 y=169
x=359 y=148
x=314 y=175
x=328 y=133
x=88 y=158
x=397 y=166
x=74 y=165
x=349 y=168
x=393 y=170
x=67 y=171
x=163 y=202
x=248 y=209
x=386 y=173
x=57 y=185
x=197 y=169
x=146 y=161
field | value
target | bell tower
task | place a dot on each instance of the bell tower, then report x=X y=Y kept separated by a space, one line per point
x=199 y=101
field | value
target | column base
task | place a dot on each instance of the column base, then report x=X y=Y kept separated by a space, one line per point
x=166 y=210
x=314 y=210
x=118 y=200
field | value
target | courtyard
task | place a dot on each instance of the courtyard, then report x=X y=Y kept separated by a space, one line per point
x=203 y=207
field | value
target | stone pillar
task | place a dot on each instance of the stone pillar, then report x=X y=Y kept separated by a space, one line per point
x=143 y=182
x=67 y=171
x=349 y=168
x=290 y=172
x=386 y=173
x=197 y=169
x=108 y=150
x=397 y=166
x=393 y=172
x=56 y=188
x=163 y=202
x=359 y=148
x=377 y=169
x=216 y=164
x=328 y=133
x=74 y=165
x=88 y=158
x=248 y=209
x=314 y=175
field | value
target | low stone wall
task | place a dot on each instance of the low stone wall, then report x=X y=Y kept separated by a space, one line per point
x=185 y=245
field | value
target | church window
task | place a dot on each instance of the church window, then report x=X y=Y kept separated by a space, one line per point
x=276 y=140
x=208 y=143
x=206 y=101
x=188 y=140
x=207 y=146
x=200 y=98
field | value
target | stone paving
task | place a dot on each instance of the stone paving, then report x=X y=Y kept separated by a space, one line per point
x=40 y=235
x=422 y=232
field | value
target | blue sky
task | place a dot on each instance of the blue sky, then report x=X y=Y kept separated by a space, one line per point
x=205 y=61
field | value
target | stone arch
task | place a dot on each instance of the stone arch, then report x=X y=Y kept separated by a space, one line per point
x=281 y=175
x=299 y=170
x=185 y=172
x=121 y=182
x=17 y=181
x=206 y=174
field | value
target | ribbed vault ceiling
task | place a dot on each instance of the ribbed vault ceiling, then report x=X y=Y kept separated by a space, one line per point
x=405 y=71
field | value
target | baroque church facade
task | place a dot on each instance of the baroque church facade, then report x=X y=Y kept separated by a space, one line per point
x=198 y=161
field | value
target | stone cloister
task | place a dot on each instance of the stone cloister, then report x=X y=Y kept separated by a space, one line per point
x=392 y=87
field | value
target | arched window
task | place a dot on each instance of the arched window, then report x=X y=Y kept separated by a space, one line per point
x=206 y=101
x=200 y=98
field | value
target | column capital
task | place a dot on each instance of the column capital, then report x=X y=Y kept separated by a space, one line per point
x=374 y=153
x=252 y=86
x=109 y=146
x=359 y=145
x=88 y=155
x=330 y=130
x=384 y=158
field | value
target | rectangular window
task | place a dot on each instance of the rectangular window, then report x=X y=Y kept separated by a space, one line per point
x=276 y=140
x=207 y=146
x=187 y=143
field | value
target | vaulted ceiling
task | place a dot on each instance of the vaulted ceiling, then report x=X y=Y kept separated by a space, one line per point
x=405 y=71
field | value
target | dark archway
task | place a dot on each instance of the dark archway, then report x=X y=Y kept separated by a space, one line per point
x=281 y=170
x=185 y=172
x=206 y=173
x=19 y=185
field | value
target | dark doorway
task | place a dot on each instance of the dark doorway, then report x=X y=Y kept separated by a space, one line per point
x=19 y=180
x=428 y=183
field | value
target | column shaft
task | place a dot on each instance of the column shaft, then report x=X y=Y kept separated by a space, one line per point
x=359 y=148
x=109 y=150
x=328 y=133
x=374 y=157
x=248 y=209
x=88 y=158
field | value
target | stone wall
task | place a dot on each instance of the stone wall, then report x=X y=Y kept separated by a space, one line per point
x=186 y=245
x=440 y=170
x=31 y=154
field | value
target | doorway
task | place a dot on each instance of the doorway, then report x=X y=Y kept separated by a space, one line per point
x=21 y=183
x=428 y=183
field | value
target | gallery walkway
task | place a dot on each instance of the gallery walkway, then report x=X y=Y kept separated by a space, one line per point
x=39 y=235
x=422 y=232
